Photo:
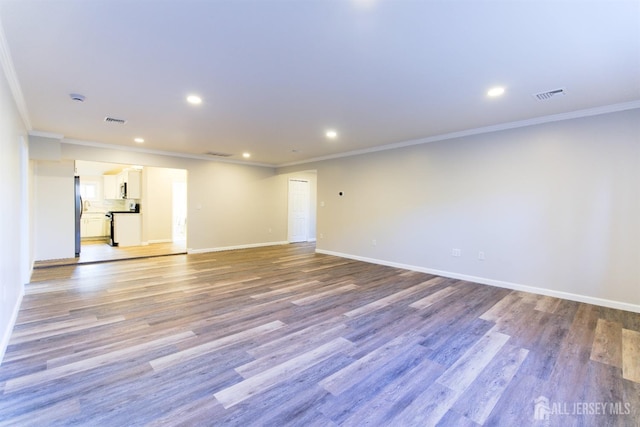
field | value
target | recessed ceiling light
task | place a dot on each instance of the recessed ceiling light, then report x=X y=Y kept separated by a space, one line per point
x=246 y=155
x=139 y=140
x=331 y=134
x=194 y=99
x=495 y=91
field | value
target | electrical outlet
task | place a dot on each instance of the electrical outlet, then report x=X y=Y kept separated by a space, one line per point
x=321 y=236
x=481 y=256
x=374 y=242
x=456 y=252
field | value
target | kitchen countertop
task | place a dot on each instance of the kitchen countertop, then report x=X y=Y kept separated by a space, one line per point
x=122 y=212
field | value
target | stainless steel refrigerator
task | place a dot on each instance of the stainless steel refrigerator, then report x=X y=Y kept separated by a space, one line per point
x=78 y=213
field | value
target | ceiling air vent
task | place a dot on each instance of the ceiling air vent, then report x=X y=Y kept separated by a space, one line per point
x=542 y=96
x=218 y=154
x=114 y=120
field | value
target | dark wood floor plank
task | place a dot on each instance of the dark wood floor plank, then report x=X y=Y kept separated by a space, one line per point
x=394 y=395
x=478 y=401
x=607 y=343
x=364 y=389
x=61 y=371
x=466 y=369
x=448 y=347
x=368 y=364
x=271 y=377
x=210 y=346
x=428 y=408
x=631 y=355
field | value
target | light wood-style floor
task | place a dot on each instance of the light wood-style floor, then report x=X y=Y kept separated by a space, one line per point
x=98 y=250
x=283 y=336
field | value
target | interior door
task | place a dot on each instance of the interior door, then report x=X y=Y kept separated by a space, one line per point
x=298 y=210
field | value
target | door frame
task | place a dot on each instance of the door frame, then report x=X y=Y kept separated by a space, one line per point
x=290 y=210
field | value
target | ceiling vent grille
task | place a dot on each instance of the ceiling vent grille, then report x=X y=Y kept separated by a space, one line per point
x=114 y=120
x=542 y=96
x=218 y=154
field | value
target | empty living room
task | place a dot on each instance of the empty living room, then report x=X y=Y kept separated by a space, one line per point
x=320 y=213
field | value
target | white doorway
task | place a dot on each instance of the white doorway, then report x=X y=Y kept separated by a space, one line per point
x=299 y=198
x=179 y=211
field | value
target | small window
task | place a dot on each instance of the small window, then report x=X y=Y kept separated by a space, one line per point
x=89 y=191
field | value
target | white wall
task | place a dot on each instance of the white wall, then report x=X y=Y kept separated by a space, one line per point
x=53 y=210
x=157 y=202
x=555 y=208
x=232 y=205
x=229 y=205
x=15 y=262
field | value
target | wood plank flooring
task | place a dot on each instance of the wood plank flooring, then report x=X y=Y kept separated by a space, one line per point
x=284 y=336
x=93 y=251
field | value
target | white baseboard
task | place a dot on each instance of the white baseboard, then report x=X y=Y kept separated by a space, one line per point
x=151 y=242
x=6 y=334
x=233 y=248
x=28 y=279
x=311 y=240
x=491 y=282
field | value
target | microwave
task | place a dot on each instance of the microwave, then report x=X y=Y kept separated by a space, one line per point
x=123 y=190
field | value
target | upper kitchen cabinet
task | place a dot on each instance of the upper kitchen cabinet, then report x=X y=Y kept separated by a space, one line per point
x=133 y=178
x=111 y=188
x=114 y=185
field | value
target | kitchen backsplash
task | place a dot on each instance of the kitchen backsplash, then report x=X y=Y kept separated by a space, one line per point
x=105 y=205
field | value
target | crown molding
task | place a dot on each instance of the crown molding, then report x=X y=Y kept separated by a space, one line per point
x=477 y=131
x=42 y=134
x=162 y=153
x=12 y=79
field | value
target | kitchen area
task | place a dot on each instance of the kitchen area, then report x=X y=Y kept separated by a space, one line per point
x=128 y=211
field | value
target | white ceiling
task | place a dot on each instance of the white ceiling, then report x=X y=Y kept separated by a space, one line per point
x=275 y=74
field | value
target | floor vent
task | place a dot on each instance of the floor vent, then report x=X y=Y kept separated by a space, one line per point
x=218 y=154
x=548 y=95
x=114 y=120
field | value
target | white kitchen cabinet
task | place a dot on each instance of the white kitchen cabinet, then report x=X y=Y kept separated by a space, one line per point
x=111 y=187
x=112 y=184
x=133 y=179
x=127 y=229
x=93 y=225
x=134 y=185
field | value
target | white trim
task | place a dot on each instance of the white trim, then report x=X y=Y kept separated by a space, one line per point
x=308 y=213
x=46 y=134
x=151 y=242
x=12 y=79
x=233 y=248
x=161 y=152
x=477 y=131
x=311 y=240
x=491 y=282
x=33 y=264
x=6 y=336
x=468 y=132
